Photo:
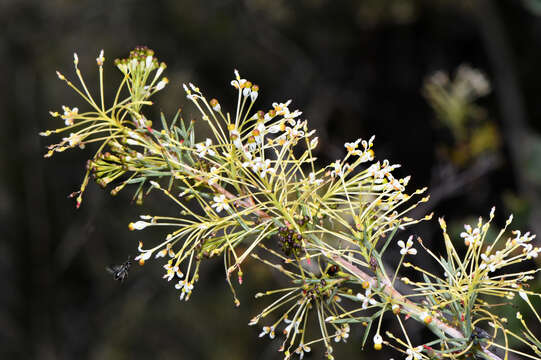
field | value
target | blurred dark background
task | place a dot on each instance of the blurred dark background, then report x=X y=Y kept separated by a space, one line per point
x=355 y=68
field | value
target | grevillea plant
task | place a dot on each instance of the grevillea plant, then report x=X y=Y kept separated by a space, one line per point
x=253 y=190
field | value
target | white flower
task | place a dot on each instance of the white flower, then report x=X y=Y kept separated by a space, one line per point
x=338 y=169
x=167 y=250
x=235 y=136
x=148 y=61
x=281 y=108
x=276 y=127
x=292 y=325
x=426 y=317
x=220 y=203
x=352 y=147
x=73 y=139
x=259 y=132
x=313 y=180
x=69 y=114
x=302 y=349
x=366 y=299
x=253 y=95
x=214 y=175
x=265 y=167
x=172 y=271
x=203 y=148
x=144 y=254
x=415 y=353
x=161 y=84
x=530 y=251
x=139 y=225
x=378 y=340
x=342 y=333
x=100 y=59
x=471 y=237
x=407 y=247
x=238 y=83
x=186 y=289
x=267 y=330
x=488 y=261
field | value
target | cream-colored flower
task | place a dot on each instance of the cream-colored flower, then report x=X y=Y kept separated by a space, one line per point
x=342 y=333
x=214 y=175
x=352 y=147
x=414 y=353
x=220 y=203
x=302 y=349
x=100 y=59
x=185 y=288
x=172 y=271
x=471 y=236
x=378 y=340
x=407 y=247
x=268 y=330
x=69 y=115
x=204 y=148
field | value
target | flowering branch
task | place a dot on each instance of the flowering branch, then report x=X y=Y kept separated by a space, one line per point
x=253 y=191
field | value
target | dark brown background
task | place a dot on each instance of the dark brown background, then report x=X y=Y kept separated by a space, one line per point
x=355 y=68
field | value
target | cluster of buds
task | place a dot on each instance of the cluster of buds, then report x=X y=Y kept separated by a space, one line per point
x=290 y=241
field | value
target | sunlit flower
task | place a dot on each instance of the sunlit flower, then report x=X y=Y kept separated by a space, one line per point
x=531 y=252
x=265 y=167
x=470 y=236
x=73 y=139
x=426 y=317
x=378 y=340
x=313 y=181
x=167 y=250
x=415 y=353
x=267 y=330
x=144 y=254
x=338 y=169
x=488 y=261
x=172 y=271
x=281 y=108
x=234 y=134
x=366 y=299
x=302 y=349
x=342 y=333
x=161 y=84
x=214 y=175
x=100 y=59
x=138 y=225
x=407 y=247
x=204 y=148
x=352 y=147
x=220 y=203
x=69 y=115
x=185 y=288
x=292 y=325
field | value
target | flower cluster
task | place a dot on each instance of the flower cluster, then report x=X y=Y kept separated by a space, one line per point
x=252 y=189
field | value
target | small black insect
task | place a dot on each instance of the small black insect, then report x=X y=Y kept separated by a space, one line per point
x=120 y=272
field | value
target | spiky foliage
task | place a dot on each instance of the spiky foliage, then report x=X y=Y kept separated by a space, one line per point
x=253 y=190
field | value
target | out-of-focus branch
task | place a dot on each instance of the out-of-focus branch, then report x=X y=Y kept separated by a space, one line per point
x=514 y=119
x=456 y=183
